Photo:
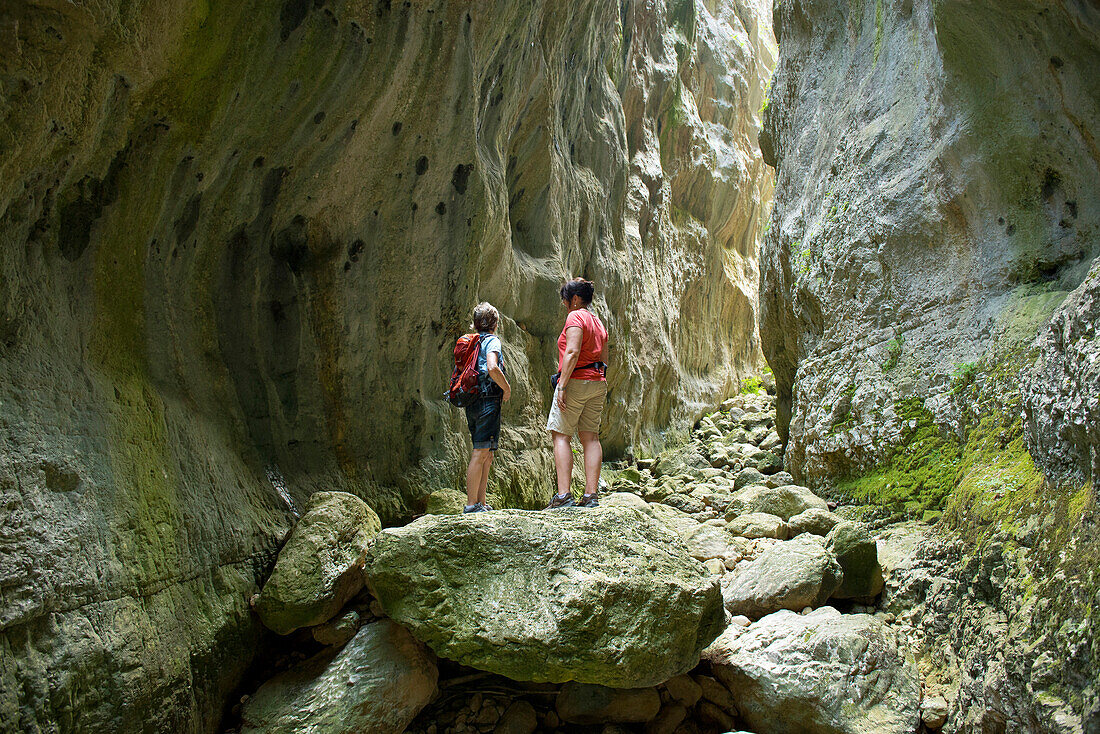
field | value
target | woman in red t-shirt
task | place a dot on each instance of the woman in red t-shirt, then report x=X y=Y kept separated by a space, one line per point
x=580 y=395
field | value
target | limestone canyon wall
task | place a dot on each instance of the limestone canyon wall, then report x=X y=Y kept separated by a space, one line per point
x=935 y=172
x=925 y=307
x=237 y=241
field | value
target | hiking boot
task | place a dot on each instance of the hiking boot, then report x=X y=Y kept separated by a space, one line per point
x=590 y=500
x=560 y=501
x=487 y=507
x=478 y=507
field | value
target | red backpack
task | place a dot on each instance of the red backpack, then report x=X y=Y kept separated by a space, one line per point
x=464 y=378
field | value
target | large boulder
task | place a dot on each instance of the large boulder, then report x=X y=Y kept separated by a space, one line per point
x=856 y=551
x=784 y=501
x=822 y=673
x=318 y=569
x=676 y=520
x=708 y=541
x=550 y=596
x=792 y=575
x=376 y=683
x=814 y=520
x=758 y=525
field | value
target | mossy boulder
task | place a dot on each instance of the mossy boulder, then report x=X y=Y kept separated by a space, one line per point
x=856 y=551
x=445 y=502
x=747 y=478
x=378 y=682
x=605 y=596
x=318 y=569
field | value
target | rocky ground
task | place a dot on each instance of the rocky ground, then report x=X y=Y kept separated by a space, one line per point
x=708 y=593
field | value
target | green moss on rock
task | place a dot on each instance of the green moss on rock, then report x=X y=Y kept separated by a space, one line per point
x=919 y=473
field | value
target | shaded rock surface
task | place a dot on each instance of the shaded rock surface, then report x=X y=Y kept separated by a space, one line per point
x=550 y=596
x=580 y=703
x=821 y=673
x=857 y=553
x=237 y=241
x=319 y=567
x=378 y=682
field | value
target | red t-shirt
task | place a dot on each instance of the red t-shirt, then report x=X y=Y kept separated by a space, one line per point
x=595 y=336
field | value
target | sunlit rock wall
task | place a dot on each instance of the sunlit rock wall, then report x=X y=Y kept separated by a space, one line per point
x=935 y=201
x=237 y=241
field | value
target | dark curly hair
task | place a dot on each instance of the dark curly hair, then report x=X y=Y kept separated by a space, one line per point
x=578 y=287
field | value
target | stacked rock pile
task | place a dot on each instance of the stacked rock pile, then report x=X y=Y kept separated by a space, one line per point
x=704 y=596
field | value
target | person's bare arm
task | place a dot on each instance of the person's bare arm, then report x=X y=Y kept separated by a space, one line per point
x=573 y=337
x=496 y=374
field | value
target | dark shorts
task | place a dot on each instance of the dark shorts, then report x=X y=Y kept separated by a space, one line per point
x=483 y=418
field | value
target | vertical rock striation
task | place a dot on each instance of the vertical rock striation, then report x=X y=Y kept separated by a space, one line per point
x=236 y=243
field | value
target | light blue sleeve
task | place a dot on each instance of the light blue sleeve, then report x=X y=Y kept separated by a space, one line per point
x=490 y=344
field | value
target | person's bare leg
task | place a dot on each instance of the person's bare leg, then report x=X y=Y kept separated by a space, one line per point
x=484 y=484
x=563 y=461
x=474 y=473
x=593 y=460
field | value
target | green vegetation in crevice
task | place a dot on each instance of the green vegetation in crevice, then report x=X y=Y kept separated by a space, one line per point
x=893 y=352
x=845 y=420
x=752 y=385
x=918 y=473
x=670 y=119
x=962 y=376
x=767 y=96
x=878 y=30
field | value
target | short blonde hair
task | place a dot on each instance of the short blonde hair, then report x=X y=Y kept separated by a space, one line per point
x=486 y=317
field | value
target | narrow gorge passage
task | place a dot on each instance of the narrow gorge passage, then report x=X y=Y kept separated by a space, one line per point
x=846 y=253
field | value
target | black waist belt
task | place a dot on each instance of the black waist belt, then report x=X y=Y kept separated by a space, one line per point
x=597 y=365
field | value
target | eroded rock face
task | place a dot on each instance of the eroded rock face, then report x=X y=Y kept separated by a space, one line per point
x=584 y=595
x=1062 y=391
x=378 y=682
x=822 y=673
x=233 y=264
x=927 y=219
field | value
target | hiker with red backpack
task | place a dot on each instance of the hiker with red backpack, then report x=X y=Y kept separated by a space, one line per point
x=580 y=389
x=478 y=384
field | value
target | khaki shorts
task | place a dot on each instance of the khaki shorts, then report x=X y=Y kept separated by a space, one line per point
x=584 y=401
